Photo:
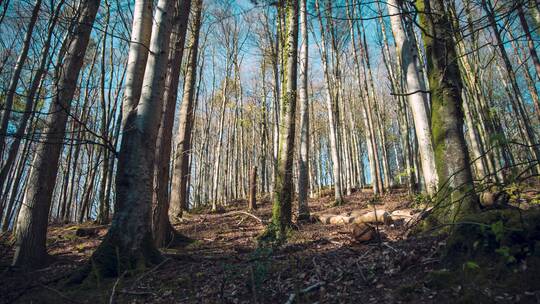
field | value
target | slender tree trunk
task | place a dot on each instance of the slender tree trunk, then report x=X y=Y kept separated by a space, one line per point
x=530 y=41
x=252 y=202
x=416 y=95
x=162 y=228
x=303 y=163
x=14 y=81
x=181 y=171
x=34 y=214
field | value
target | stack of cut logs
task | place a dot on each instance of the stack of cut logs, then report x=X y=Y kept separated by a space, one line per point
x=363 y=221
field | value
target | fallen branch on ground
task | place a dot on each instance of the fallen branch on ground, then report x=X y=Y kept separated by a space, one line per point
x=248 y=214
x=305 y=290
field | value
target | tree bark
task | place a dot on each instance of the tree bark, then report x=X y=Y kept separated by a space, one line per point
x=128 y=243
x=283 y=187
x=162 y=228
x=33 y=217
x=407 y=54
x=456 y=188
x=181 y=170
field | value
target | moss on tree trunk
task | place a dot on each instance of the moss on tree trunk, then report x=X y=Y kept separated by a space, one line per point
x=456 y=196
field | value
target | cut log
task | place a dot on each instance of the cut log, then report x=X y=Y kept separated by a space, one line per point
x=378 y=216
x=340 y=220
x=402 y=214
x=357 y=213
x=362 y=232
x=325 y=218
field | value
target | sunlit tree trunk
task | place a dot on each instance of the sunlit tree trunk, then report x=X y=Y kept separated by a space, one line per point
x=303 y=163
x=181 y=171
x=416 y=95
x=128 y=243
x=161 y=226
x=282 y=209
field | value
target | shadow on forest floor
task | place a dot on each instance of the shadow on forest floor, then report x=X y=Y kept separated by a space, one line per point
x=320 y=263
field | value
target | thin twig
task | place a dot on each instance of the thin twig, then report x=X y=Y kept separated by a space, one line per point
x=248 y=214
x=305 y=290
x=113 y=292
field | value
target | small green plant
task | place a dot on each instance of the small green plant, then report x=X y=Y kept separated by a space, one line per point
x=421 y=200
x=515 y=191
x=505 y=252
x=471 y=265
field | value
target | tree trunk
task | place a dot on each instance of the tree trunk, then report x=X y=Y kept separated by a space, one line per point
x=14 y=81
x=34 y=214
x=407 y=54
x=283 y=187
x=128 y=244
x=303 y=163
x=252 y=202
x=162 y=228
x=181 y=171
x=456 y=188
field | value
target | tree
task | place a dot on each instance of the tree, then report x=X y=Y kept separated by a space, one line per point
x=303 y=162
x=162 y=228
x=33 y=217
x=181 y=171
x=282 y=200
x=128 y=243
x=456 y=188
x=408 y=56
x=8 y=103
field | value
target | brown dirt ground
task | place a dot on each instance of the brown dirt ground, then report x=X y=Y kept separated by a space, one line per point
x=224 y=265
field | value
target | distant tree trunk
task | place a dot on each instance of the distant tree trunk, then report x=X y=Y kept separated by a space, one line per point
x=456 y=188
x=128 y=243
x=333 y=119
x=30 y=99
x=161 y=226
x=515 y=95
x=283 y=187
x=365 y=105
x=33 y=217
x=14 y=81
x=252 y=202
x=217 y=153
x=407 y=53
x=181 y=170
x=530 y=41
x=303 y=163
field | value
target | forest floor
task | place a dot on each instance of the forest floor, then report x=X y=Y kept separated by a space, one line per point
x=321 y=263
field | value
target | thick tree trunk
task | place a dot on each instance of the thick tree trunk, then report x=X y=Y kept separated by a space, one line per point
x=128 y=244
x=456 y=189
x=283 y=187
x=34 y=214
